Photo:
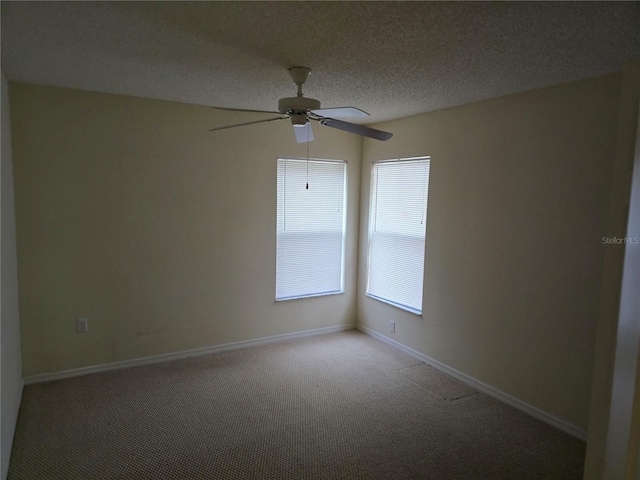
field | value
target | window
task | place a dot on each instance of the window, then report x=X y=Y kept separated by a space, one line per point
x=310 y=228
x=397 y=228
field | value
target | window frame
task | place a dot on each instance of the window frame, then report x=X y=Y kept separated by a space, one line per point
x=343 y=227
x=372 y=221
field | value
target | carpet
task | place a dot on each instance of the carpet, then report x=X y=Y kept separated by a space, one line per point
x=337 y=406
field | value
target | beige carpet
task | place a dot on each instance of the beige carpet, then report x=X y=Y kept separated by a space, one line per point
x=339 y=406
x=437 y=383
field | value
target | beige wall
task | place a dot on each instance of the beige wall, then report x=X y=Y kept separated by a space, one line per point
x=518 y=204
x=130 y=213
x=11 y=385
x=162 y=234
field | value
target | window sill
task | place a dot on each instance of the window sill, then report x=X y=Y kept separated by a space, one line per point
x=397 y=305
x=323 y=294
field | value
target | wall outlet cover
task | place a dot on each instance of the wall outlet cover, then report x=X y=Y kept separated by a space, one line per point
x=82 y=325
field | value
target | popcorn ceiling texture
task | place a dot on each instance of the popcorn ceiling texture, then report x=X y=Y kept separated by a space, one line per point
x=392 y=59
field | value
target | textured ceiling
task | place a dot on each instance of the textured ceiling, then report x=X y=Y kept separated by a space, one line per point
x=392 y=59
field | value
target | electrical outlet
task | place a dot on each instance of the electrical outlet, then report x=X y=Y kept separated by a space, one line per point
x=82 y=325
x=392 y=326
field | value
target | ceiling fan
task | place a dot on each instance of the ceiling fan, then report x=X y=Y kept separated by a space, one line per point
x=300 y=110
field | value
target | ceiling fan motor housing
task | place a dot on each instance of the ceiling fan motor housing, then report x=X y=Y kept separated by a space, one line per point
x=297 y=104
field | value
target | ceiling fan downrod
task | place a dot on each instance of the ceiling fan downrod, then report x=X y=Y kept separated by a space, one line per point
x=299 y=76
x=298 y=105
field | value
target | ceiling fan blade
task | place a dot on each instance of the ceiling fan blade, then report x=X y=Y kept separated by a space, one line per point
x=340 y=112
x=245 y=110
x=248 y=123
x=357 y=129
x=303 y=133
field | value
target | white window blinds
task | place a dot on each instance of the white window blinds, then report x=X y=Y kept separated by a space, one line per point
x=397 y=228
x=310 y=228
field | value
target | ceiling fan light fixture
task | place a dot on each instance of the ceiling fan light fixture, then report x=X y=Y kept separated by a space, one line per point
x=299 y=120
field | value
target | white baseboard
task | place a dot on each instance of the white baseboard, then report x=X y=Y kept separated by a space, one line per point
x=483 y=387
x=166 y=357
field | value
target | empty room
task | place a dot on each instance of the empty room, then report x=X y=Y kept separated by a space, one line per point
x=320 y=240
